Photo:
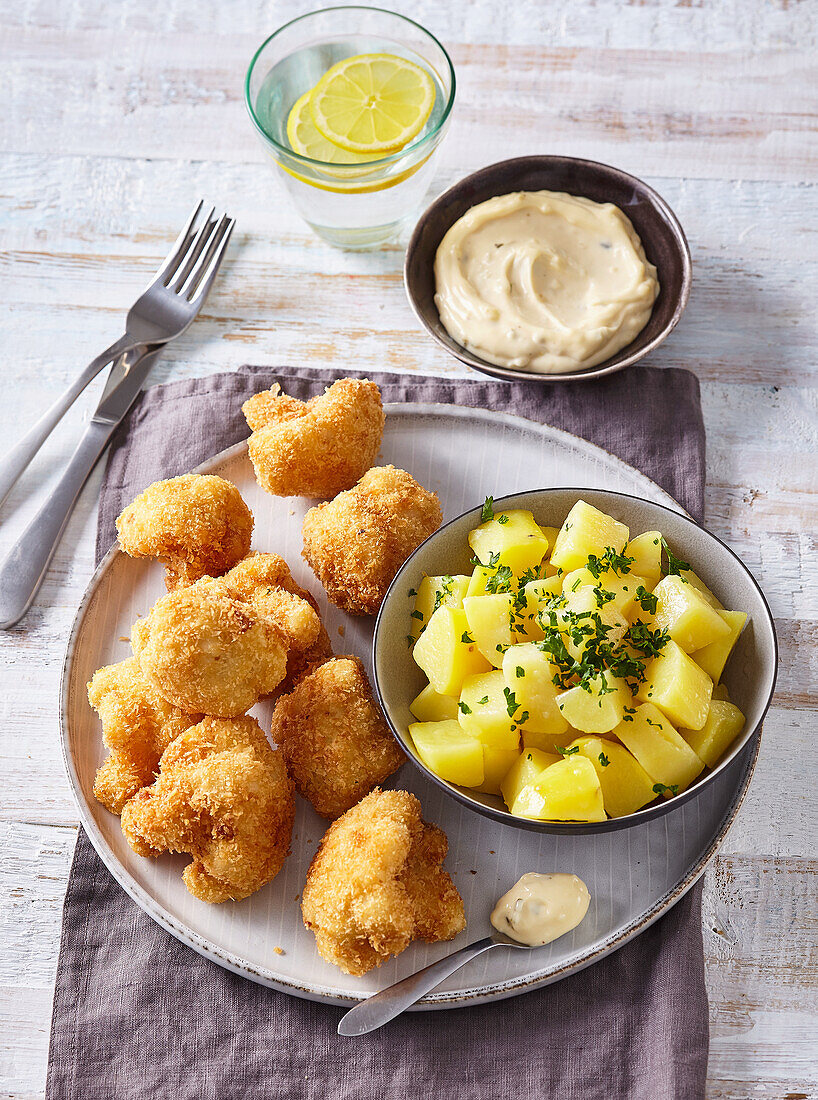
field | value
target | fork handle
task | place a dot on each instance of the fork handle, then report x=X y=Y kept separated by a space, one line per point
x=14 y=463
x=379 y=1009
x=23 y=569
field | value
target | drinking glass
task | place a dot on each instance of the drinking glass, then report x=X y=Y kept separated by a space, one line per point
x=358 y=206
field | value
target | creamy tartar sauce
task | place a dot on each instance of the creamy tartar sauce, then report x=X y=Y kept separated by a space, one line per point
x=541 y=908
x=544 y=281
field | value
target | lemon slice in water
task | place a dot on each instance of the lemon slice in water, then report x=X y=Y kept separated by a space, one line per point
x=305 y=139
x=372 y=103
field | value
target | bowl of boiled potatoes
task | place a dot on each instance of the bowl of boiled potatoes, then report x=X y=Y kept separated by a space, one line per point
x=573 y=659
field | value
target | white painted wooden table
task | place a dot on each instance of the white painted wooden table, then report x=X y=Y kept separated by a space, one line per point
x=116 y=116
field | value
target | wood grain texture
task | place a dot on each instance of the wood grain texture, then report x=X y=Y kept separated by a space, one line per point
x=116 y=116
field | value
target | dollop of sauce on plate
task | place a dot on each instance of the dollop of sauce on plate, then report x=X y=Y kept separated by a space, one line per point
x=541 y=908
x=544 y=281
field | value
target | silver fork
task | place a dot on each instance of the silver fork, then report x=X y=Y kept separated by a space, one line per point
x=161 y=313
x=186 y=277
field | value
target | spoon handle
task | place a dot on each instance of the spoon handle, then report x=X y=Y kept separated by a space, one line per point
x=379 y=1009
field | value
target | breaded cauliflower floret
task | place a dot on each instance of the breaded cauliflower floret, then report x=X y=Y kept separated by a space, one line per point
x=318 y=447
x=137 y=727
x=197 y=525
x=357 y=542
x=206 y=648
x=266 y=578
x=333 y=736
x=224 y=796
x=376 y=883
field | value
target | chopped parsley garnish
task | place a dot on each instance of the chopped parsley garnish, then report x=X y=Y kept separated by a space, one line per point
x=674 y=565
x=500 y=580
x=417 y=615
x=576 y=584
x=487 y=512
x=519 y=671
x=647 y=601
x=603 y=759
x=464 y=707
x=567 y=751
x=412 y=592
x=482 y=702
x=660 y=788
x=511 y=701
x=502 y=519
x=466 y=637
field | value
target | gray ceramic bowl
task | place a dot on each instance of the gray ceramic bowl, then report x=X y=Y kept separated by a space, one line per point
x=750 y=673
x=661 y=234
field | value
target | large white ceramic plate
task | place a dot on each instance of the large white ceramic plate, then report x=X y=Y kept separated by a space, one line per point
x=634 y=875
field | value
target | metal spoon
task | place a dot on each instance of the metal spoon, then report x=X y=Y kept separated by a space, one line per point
x=382 y=1007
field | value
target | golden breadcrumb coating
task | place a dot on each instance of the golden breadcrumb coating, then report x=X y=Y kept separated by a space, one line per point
x=318 y=447
x=376 y=883
x=207 y=648
x=224 y=796
x=357 y=542
x=267 y=578
x=333 y=736
x=197 y=525
x=137 y=727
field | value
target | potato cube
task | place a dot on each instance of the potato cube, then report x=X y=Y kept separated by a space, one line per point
x=428 y=706
x=479 y=580
x=586 y=531
x=626 y=786
x=691 y=578
x=724 y=723
x=712 y=658
x=447 y=750
x=484 y=711
x=598 y=707
x=548 y=742
x=512 y=538
x=686 y=615
x=530 y=676
x=676 y=684
x=662 y=752
x=444 y=656
x=489 y=623
x=566 y=791
x=496 y=765
x=434 y=592
x=524 y=771
x=646 y=551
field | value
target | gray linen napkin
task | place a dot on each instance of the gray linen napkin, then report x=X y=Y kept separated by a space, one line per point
x=138 y=1014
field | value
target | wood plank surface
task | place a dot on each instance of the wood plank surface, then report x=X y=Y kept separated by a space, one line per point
x=115 y=116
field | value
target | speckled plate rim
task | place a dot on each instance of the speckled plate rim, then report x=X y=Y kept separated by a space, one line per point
x=212 y=951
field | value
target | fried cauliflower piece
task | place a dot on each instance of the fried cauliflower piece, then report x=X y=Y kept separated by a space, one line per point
x=356 y=543
x=333 y=736
x=318 y=447
x=209 y=649
x=376 y=883
x=224 y=796
x=197 y=525
x=137 y=727
x=268 y=580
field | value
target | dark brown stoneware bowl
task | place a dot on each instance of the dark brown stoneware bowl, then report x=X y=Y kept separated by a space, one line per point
x=660 y=232
x=749 y=676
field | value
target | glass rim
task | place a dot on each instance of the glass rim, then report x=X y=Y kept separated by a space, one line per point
x=392 y=158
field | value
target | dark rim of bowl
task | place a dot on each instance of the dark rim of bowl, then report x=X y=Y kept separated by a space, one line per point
x=609 y=366
x=612 y=824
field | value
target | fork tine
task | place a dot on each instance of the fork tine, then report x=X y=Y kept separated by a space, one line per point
x=179 y=250
x=203 y=263
x=202 y=237
x=216 y=255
